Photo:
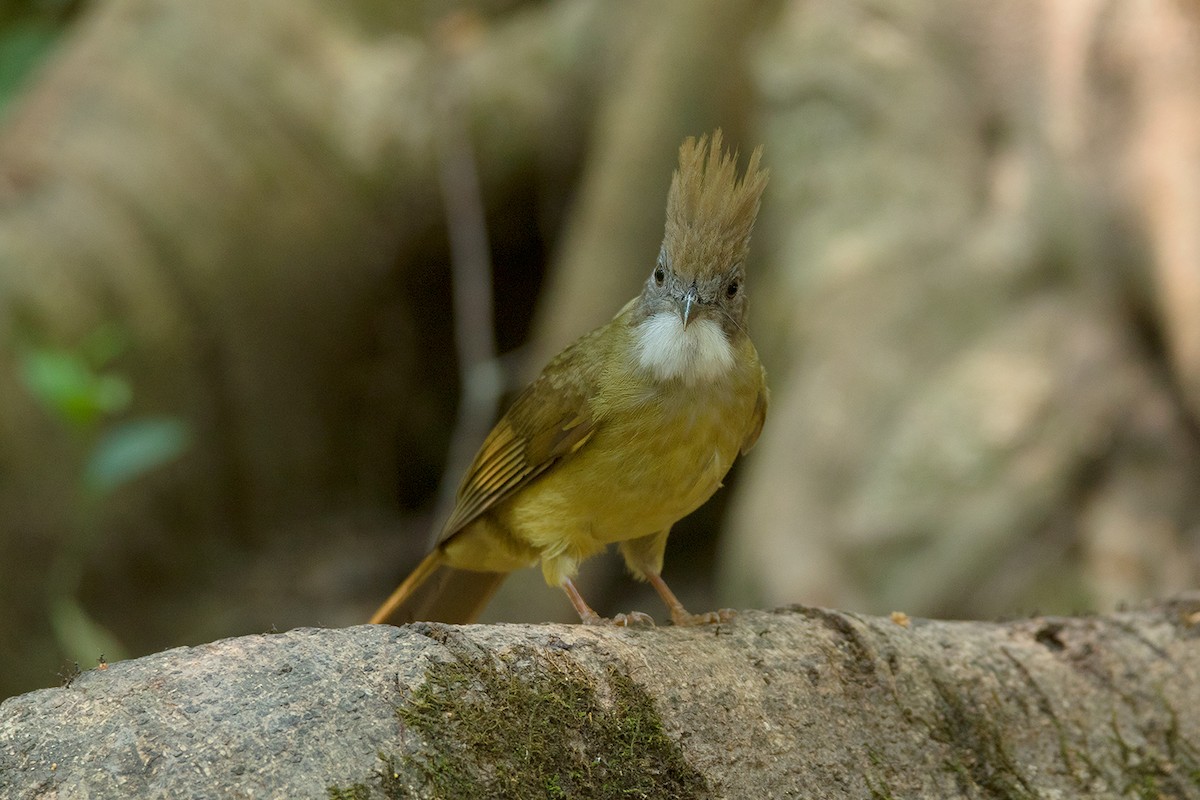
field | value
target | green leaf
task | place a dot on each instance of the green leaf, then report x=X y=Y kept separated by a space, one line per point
x=23 y=45
x=132 y=449
x=64 y=384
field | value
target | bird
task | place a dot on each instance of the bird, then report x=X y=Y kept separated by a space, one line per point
x=627 y=430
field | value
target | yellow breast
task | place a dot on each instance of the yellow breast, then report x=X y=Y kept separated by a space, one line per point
x=661 y=448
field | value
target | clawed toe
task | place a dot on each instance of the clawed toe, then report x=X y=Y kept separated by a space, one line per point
x=707 y=618
x=634 y=619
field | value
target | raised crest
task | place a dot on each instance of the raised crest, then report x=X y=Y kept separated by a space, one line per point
x=710 y=210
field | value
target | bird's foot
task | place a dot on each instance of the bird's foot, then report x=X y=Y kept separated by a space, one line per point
x=634 y=619
x=679 y=614
x=707 y=618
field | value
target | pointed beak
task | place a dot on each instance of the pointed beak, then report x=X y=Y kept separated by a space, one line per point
x=687 y=304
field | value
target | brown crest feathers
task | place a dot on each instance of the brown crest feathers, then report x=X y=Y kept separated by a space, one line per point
x=710 y=211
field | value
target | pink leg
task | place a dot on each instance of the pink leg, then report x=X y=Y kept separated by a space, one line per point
x=679 y=614
x=589 y=617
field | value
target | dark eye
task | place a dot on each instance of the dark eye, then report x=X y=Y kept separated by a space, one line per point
x=660 y=275
x=732 y=289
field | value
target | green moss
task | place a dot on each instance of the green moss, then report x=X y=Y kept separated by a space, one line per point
x=357 y=791
x=546 y=729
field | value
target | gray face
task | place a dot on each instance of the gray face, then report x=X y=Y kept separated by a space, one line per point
x=695 y=294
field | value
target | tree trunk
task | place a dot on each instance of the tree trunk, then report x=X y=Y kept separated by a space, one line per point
x=800 y=702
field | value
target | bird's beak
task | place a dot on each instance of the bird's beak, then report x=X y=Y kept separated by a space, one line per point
x=687 y=304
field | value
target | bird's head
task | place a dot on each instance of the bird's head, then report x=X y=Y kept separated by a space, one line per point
x=693 y=306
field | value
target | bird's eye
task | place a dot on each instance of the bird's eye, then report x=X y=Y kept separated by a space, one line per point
x=732 y=289
x=660 y=275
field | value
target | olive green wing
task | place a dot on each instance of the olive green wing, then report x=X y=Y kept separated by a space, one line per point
x=549 y=421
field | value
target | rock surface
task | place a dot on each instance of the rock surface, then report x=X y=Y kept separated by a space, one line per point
x=797 y=702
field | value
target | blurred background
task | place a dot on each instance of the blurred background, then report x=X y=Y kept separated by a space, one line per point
x=269 y=271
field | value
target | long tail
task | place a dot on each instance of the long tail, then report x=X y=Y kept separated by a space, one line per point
x=435 y=592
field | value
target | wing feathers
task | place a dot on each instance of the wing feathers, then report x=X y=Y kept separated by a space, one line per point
x=548 y=422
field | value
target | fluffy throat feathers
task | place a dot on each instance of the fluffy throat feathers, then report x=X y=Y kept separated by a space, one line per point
x=700 y=352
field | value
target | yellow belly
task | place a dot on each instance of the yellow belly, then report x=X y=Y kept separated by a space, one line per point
x=646 y=467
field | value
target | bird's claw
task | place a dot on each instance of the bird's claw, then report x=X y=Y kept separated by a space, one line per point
x=707 y=618
x=634 y=619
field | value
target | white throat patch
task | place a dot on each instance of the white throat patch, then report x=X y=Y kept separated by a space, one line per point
x=696 y=353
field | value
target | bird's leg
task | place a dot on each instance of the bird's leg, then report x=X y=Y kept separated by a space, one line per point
x=679 y=614
x=587 y=614
x=589 y=617
x=644 y=557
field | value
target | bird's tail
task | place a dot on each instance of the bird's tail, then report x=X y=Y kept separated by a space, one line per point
x=436 y=592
